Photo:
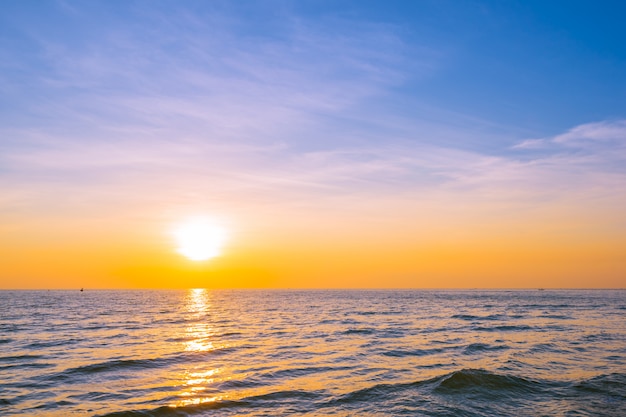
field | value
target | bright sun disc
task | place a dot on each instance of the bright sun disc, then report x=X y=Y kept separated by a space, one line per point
x=199 y=239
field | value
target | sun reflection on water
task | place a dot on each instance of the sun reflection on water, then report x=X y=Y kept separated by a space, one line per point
x=199 y=333
x=198 y=338
x=196 y=401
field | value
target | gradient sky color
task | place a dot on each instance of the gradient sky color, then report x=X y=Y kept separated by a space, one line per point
x=366 y=144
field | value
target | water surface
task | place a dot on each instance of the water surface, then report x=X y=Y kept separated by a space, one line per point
x=340 y=353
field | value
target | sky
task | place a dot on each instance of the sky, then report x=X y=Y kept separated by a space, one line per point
x=337 y=144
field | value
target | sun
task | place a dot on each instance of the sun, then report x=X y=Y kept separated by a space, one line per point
x=199 y=239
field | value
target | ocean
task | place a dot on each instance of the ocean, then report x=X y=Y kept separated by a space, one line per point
x=317 y=353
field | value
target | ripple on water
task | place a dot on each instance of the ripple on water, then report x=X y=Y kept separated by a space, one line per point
x=341 y=353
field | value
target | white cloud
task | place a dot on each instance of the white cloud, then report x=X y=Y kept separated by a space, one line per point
x=530 y=144
x=600 y=131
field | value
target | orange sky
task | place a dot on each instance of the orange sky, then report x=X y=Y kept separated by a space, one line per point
x=361 y=248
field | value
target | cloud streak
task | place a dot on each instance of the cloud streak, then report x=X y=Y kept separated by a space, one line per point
x=198 y=114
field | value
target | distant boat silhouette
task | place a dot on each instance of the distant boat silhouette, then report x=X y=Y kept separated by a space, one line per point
x=81 y=290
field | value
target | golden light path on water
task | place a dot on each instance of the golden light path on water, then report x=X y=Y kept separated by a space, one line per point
x=203 y=381
x=198 y=339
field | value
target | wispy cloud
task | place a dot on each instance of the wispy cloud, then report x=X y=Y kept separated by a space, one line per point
x=192 y=171
x=182 y=109
x=530 y=144
x=188 y=95
x=606 y=131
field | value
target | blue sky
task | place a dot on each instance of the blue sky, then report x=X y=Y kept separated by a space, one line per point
x=260 y=104
x=539 y=66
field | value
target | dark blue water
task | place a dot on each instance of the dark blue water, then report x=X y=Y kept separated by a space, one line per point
x=340 y=353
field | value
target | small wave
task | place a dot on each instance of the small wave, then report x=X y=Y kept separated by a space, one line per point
x=612 y=384
x=464 y=317
x=298 y=372
x=100 y=396
x=482 y=381
x=180 y=339
x=391 y=333
x=378 y=313
x=36 y=365
x=168 y=411
x=532 y=306
x=228 y=334
x=469 y=317
x=556 y=316
x=10 y=327
x=496 y=317
x=545 y=347
x=52 y=343
x=366 y=394
x=5 y=341
x=503 y=328
x=131 y=364
x=454 y=341
x=109 y=366
x=597 y=337
x=475 y=348
x=366 y=313
x=233 y=384
x=17 y=358
x=359 y=331
x=401 y=353
x=466 y=381
x=291 y=347
x=263 y=400
x=290 y=394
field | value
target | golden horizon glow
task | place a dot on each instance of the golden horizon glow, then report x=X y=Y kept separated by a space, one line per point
x=199 y=238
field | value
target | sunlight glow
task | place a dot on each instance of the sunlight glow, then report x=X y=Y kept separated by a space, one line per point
x=199 y=239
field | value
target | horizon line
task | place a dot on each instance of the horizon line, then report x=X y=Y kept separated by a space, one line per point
x=326 y=289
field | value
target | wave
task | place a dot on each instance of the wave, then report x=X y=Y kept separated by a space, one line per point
x=503 y=328
x=378 y=313
x=463 y=381
x=19 y=358
x=359 y=331
x=475 y=348
x=470 y=392
x=52 y=343
x=36 y=365
x=168 y=411
x=481 y=381
x=613 y=384
x=600 y=337
x=401 y=353
x=298 y=372
x=470 y=317
x=117 y=365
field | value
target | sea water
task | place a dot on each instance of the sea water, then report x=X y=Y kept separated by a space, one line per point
x=339 y=353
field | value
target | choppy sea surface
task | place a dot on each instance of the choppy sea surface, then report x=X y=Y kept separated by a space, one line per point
x=339 y=353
